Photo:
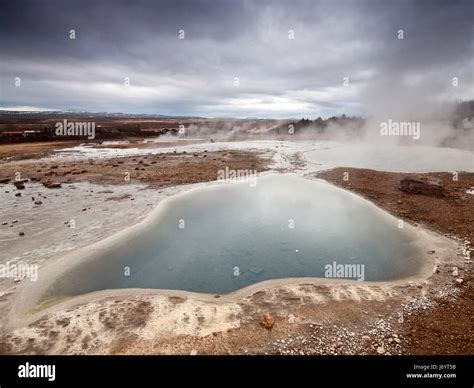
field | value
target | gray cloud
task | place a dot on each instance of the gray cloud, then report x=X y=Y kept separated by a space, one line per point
x=248 y=40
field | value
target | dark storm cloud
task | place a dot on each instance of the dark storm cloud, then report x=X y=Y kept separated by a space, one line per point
x=225 y=40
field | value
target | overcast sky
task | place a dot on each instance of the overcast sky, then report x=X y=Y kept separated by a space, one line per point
x=237 y=57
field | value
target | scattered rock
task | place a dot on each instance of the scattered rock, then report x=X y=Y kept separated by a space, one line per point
x=266 y=321
x=21 y=233
x=380 y=350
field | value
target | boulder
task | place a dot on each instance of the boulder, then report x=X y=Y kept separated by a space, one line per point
x=415 y=184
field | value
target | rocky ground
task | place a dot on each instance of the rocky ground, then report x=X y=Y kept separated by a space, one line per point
x=429 y=316
x=446 y=327
x=159 y=170
x=18 y=151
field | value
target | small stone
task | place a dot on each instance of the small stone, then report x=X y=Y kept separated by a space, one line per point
x=380 y=350
x=20 y=185
x=459 y=280
x=21 y=233
x=455 y=271
x=51 y=185
x=266 y=321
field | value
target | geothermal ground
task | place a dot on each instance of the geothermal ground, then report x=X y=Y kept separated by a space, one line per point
x=106 y=188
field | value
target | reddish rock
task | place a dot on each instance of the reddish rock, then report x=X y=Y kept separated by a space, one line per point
x=266 y=321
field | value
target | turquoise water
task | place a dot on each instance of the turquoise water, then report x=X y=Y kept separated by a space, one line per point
x=222 y=238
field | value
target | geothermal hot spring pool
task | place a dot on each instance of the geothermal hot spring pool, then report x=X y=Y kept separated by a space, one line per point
x=224 y=237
